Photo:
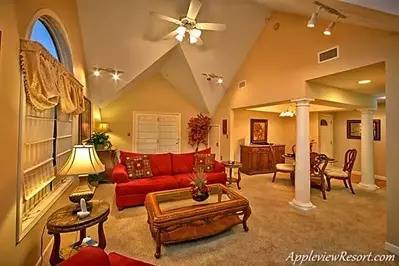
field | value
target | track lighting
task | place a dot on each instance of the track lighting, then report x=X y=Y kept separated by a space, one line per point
x=313 y=19
x=210 y=76
x=116 y=74
x=329 y=30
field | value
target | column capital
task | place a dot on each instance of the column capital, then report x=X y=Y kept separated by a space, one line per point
x=302 y=101
x=367 y=110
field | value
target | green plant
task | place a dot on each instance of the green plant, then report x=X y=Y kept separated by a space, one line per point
x=198 y=182
x=100 y=140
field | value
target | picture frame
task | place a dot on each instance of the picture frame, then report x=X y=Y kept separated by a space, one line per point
x=84 y=131
x=353 y=129
x=258 y=133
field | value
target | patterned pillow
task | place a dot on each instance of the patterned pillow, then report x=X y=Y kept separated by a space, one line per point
x=138 y=167
x=204 y=162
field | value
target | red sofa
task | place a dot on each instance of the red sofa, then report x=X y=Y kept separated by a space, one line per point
x=170 y=171
x=92 y=256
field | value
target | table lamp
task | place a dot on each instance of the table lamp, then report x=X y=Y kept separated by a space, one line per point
x=82 y=161
x=104 y=128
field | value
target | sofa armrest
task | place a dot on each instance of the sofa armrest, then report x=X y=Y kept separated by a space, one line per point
x=119 y=174
x=89 y=256
x=218 y=167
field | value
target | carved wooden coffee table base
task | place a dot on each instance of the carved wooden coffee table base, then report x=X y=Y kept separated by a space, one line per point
x=194 y=221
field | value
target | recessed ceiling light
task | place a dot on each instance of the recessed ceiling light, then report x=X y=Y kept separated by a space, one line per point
x=362 y=82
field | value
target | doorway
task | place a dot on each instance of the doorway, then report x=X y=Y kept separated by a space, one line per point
x=214 y=140
x=326 y=129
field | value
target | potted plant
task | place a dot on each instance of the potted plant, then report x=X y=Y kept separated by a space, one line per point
x=199 y=189
x=198 y=130
x=100 y=140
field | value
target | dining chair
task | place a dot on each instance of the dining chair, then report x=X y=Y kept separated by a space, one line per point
x=318 y=164
x=345 y=173
x=282 y=167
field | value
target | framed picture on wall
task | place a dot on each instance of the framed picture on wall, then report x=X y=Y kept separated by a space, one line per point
x=85 y=122
x=354 y=129
x=258 y=131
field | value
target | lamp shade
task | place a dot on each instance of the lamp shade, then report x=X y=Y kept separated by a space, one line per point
x=82 y=161
x=104 y=128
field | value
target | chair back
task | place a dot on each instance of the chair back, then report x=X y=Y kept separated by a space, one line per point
x=350 y=158
x=273 y=152
x=318 y=164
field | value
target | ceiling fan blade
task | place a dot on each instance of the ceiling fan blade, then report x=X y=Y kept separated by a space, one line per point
x=199 y=42
x=193 y=9
x=167 y=18
x=211 y=26
x=170 y=35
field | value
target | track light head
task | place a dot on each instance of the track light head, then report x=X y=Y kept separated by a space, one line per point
x=313 y=19
x=96 y=73
x=328 y=31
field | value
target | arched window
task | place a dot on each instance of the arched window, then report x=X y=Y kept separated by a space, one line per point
x=46 y=138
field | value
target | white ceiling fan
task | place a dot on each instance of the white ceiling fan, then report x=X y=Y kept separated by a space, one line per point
x=188 y=24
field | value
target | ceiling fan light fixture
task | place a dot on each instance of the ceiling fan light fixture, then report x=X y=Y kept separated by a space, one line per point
x=196 y=33
x=180 y=37
x=220 y=80
x=193 y=39
x=181 y=30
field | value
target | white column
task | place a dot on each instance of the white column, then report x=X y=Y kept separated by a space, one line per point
x=367 y=150
x=302 y=158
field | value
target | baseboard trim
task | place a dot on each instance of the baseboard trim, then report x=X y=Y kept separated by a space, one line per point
x=50 y=243
x=392 y=248
x=379 y=177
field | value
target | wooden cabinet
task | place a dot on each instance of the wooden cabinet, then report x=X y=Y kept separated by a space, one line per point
x=258 y=159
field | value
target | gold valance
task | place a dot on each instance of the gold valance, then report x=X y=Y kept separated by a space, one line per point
x=47 y=82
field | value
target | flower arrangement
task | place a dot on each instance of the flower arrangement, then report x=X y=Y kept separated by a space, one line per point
x=198 y=130
x=199 y=190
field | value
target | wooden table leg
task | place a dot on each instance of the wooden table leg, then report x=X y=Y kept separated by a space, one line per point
x=55 y=253
x=158 y=242
x=231 y=174
x=101 y=236
x=239 y=178
x=82 y=234
x=245 y=218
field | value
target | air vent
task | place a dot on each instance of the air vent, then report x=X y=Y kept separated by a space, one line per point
x=242 y=84
x=328 y=55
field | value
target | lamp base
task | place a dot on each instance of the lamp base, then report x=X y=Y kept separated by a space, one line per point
x=85 y=191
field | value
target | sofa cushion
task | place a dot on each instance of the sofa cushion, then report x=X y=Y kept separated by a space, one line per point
x=212 y=178
x=161 y=164
x=184 y=162
x=138 y=167
x=147 y=185
x=204 y=162
x=125 y=154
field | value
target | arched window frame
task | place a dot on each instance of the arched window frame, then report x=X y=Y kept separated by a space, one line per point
x=58 y=34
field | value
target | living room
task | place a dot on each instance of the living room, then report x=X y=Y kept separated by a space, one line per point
x=272 y=64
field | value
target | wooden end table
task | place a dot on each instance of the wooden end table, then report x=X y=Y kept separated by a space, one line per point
x=63 y=221
x=231 y=165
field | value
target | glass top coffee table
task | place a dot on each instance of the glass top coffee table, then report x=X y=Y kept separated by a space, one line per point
x=173 y=216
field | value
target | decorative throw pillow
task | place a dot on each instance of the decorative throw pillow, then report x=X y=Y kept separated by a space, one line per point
x=204 y=162
x=138 y=167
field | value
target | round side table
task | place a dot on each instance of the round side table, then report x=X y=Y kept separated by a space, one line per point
x=231 y=165
x=64 y=221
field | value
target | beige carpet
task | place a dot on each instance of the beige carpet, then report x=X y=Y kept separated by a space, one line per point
x=343 y=222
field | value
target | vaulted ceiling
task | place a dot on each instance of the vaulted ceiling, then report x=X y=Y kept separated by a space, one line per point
x=121 y=34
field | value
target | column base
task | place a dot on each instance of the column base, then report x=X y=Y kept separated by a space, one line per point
x=302 y=206
x=368 y=186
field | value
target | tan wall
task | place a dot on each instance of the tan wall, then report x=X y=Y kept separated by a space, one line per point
x=15 y=16
x=341 y=143
x=155 y=94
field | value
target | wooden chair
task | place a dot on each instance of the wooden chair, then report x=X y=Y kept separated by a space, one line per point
x=282 y=167
x=318 y=164
x=345 y=173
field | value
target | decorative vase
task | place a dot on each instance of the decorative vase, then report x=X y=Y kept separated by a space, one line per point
x=200 y=196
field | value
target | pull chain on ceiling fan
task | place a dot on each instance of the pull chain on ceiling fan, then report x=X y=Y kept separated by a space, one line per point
x=189 y=24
